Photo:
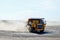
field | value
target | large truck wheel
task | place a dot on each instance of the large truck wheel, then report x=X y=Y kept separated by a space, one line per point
x=31 y=29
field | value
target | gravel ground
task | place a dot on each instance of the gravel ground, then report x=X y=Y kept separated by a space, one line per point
x=52 y=33
x=29 y=38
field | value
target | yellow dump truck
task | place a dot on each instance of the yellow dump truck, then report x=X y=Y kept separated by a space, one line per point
x=36 y=24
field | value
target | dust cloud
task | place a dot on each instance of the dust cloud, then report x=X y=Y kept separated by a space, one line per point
x=13 y=25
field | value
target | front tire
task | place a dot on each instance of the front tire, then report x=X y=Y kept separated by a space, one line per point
x=31 y=29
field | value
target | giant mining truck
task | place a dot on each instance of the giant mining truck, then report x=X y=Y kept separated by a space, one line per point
x=36 y=24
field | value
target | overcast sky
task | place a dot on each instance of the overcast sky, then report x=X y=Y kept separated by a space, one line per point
x=23 y=9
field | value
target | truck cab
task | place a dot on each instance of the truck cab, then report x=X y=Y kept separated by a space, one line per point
x=36 y=24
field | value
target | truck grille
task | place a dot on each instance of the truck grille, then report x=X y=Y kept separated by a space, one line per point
x=39 y=26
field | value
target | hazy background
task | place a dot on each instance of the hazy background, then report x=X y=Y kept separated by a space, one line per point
x=24 y=9
x=13 y=13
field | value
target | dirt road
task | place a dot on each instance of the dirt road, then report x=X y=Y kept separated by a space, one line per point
x=49 y=34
